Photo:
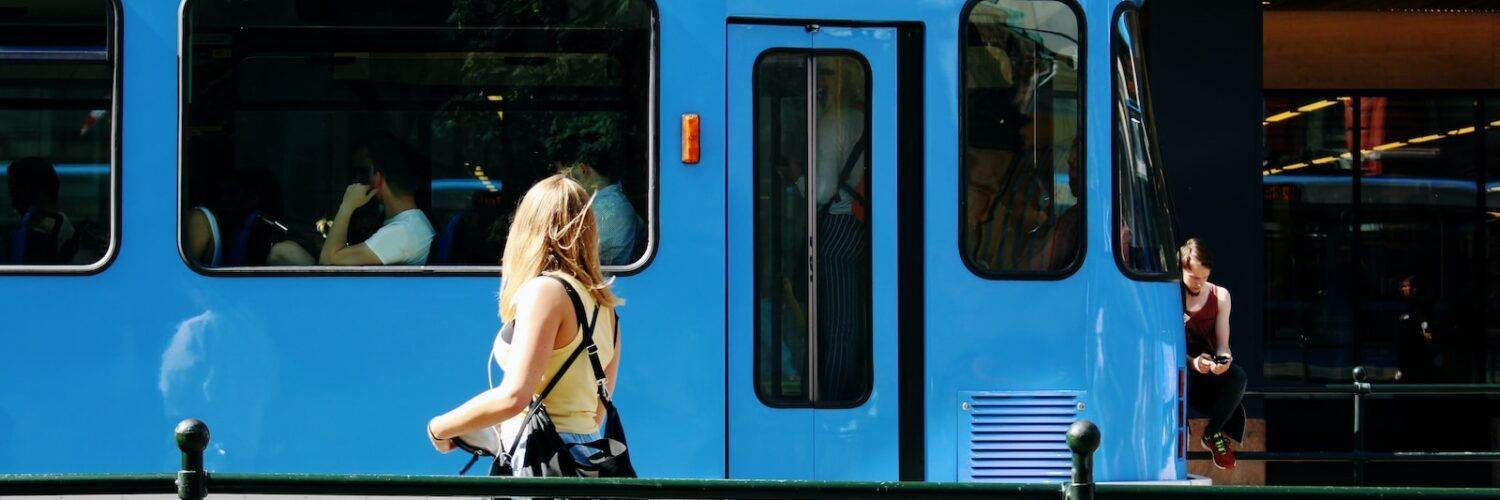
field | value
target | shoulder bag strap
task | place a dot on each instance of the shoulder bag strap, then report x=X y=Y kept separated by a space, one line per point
x=588 y=337
x=556 y=377
x=849 y=163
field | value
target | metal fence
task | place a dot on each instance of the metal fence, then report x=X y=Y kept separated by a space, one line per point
x=192 y=482
x=1358 y=392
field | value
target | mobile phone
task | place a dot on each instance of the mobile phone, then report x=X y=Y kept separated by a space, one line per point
x=1221 y=360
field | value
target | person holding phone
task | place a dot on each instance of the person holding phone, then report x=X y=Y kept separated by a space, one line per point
x=1216 y=385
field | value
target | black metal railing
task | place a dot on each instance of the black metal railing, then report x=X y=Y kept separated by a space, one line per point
x=1358 y=391
x=193 y=482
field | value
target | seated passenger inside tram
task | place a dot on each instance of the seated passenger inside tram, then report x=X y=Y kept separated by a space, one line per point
x=45 y=235
x=587 y=157
x=404 y=238
x=238 y=221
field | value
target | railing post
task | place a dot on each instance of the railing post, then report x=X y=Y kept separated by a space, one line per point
x=1361 y=388
x=1083 y=439
x=192 y=439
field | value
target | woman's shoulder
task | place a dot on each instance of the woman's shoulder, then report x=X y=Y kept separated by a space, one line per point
x=1221 y=294
x=541 y=288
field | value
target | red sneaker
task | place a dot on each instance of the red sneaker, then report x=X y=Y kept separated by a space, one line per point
x=1218 y=445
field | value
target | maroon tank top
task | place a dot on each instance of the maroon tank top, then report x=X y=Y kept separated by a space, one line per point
x=1200 y=325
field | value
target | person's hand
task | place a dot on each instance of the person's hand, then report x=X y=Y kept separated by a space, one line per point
x=441 y=445
x=1202 y=364
x=1220 y=368
x=357 y=195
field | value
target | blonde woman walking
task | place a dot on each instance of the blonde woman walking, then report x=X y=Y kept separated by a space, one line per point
x=554 y=303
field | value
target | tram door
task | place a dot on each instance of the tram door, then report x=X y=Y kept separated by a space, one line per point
x=812 y=252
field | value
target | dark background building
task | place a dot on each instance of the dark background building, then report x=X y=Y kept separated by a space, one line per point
x=1329 y=151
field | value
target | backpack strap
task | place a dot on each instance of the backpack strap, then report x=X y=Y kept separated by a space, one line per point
x=600 y=378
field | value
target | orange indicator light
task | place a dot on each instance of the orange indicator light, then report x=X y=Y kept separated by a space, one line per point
x=690 y=138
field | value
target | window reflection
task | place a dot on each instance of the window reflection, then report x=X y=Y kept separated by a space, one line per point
x=1022 y=172
x=1418 y=212
x=781 y=268
x=481 y=98
x=812 y=236
x=1144 y=242
x=56 y=134
x=1490 y=231
x=1309 y=237
x=1376 y=262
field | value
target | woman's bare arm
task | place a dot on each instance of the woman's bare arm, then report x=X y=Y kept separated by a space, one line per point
x=541 y=308
x=1221 y=325
x=1221 y=333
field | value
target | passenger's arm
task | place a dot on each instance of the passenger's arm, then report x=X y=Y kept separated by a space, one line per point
x=1221 y=330
x=336 y=250
x=541 y=306
x=357 y=255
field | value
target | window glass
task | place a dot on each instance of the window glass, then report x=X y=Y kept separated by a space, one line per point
x=450 y=110
x=1419 y=215
x=812 y=252
x=1022 y=193
x=1308 y=187
x=1490 y=254
x=56 y=134
x=1145 y=245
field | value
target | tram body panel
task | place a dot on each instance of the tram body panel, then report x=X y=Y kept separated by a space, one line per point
x=339 y=373
x=313 y=373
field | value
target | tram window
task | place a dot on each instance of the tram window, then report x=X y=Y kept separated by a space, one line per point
x=1021 y=202
x=470 y=102
x=1145 y=246
x=56 y=135
x=812 y=320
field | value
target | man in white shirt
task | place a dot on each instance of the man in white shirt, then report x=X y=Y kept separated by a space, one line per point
x=405 y=237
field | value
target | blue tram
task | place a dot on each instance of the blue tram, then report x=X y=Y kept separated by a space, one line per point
x=871 y=240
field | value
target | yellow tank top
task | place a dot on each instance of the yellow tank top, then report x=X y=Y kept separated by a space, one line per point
x=573 y=404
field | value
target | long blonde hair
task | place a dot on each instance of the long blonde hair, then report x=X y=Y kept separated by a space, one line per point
x=553 y=231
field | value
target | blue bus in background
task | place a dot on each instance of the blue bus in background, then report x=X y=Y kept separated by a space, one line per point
x=872 y=240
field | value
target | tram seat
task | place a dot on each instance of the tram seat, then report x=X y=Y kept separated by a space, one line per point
x=442 y=251
x=30 y=246
x=236 y=255
x=252 y=241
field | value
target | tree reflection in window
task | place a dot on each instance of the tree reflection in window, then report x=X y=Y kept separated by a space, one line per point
x=1145 y=245
x=486 y=96
x=1022 y=194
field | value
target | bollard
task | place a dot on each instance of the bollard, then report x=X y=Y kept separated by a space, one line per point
x=1083 y=439
x=1361 y=388
x=192 y=439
